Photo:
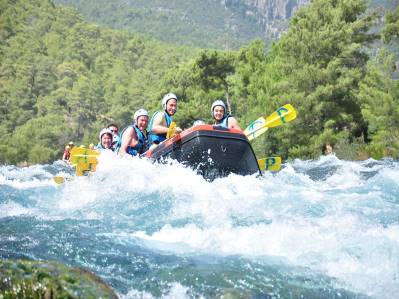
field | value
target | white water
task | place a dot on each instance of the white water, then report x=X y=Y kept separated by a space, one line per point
x=333 y=222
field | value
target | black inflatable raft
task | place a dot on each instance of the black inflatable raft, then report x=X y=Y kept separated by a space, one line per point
x=211 y=150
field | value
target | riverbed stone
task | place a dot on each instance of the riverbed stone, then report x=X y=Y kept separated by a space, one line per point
x=48 y=279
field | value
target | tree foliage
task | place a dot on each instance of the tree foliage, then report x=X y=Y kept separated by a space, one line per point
x=63 y=79
x=205 y=23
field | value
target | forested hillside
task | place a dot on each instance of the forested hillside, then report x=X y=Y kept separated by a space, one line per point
x=63 y=79
x=225 y=24
x=321 y=65
x=206 y=23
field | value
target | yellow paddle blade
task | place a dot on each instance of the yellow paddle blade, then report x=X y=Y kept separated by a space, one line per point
x=279 y=117
x=79 y=154
x=171 y=130
x=84 y=159
x=270 y=164
x=58 y=179
x=253 y=130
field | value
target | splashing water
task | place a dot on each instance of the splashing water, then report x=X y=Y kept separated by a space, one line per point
x=317 y=229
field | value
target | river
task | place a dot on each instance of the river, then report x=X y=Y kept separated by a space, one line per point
x=322 y=228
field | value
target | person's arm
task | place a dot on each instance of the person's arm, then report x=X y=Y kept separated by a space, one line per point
x=159 y=124
x=129 y=138
x=233 y=124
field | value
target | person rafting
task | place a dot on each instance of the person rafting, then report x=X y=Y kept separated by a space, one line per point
x=199 y=122
x=115 y=136
x=67 y=154
x=105 y=137
x=222 y=118
x=161 y=120
x=134 y=138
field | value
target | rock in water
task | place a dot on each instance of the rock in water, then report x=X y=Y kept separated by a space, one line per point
x=44 y=279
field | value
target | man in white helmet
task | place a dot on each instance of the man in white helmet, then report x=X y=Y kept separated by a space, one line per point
x=161 y=120
x=222 y=118
x=134 y=138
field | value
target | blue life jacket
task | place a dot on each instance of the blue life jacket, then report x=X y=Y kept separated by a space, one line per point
x=142 y=143
x=158 y=138
x=224 y=122
x=116 y=142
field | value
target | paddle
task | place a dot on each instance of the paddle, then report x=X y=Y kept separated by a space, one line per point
x=171 y=130
x=84 y=159
x=281 y=116
x=60 y=179
x=270 y=164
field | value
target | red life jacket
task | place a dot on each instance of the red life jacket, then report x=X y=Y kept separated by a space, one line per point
x=67 y=155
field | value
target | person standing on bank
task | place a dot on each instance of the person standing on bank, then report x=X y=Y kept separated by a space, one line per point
x=222 y=118
x=134 y=138
x=161 y=120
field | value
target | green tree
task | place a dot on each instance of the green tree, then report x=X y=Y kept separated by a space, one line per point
x=391 y=27
x=380 y=106
x=318 y=65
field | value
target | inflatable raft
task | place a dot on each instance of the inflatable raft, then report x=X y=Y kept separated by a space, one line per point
x=212 y=151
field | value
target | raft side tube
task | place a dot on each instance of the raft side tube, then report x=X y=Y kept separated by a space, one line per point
x=212 y=151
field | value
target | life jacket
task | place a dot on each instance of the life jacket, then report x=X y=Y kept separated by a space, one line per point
x=158 y=138
x=100 y=148
x=116 y=141
x=224 y=122
x=67 y=155
x=142 y=143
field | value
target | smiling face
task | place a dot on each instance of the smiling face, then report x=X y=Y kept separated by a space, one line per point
x=113 y=129
x=171 y=106
x=142 y=122
x=106 y=140
x=218 y=113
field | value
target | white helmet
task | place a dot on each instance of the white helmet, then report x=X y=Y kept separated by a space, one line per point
x=166 y=98
x=219 y=103
x=105 y=131
x=138 y=113
x=198 y=122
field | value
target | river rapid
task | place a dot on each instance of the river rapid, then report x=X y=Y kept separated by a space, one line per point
x=325 y=228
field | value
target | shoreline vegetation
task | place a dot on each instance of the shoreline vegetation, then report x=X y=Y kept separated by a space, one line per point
x=62 y=79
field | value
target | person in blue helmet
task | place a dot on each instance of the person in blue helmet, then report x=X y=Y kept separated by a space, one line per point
x=222 y=118
x=134 y=138
x=161 y=120
x=105 y=137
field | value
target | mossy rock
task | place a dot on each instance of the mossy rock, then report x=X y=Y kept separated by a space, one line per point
x=43 y=279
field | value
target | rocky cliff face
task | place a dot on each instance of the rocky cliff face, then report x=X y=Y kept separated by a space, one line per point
x=272 y=15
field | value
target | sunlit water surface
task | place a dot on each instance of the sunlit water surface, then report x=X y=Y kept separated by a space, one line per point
x=316 y=229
